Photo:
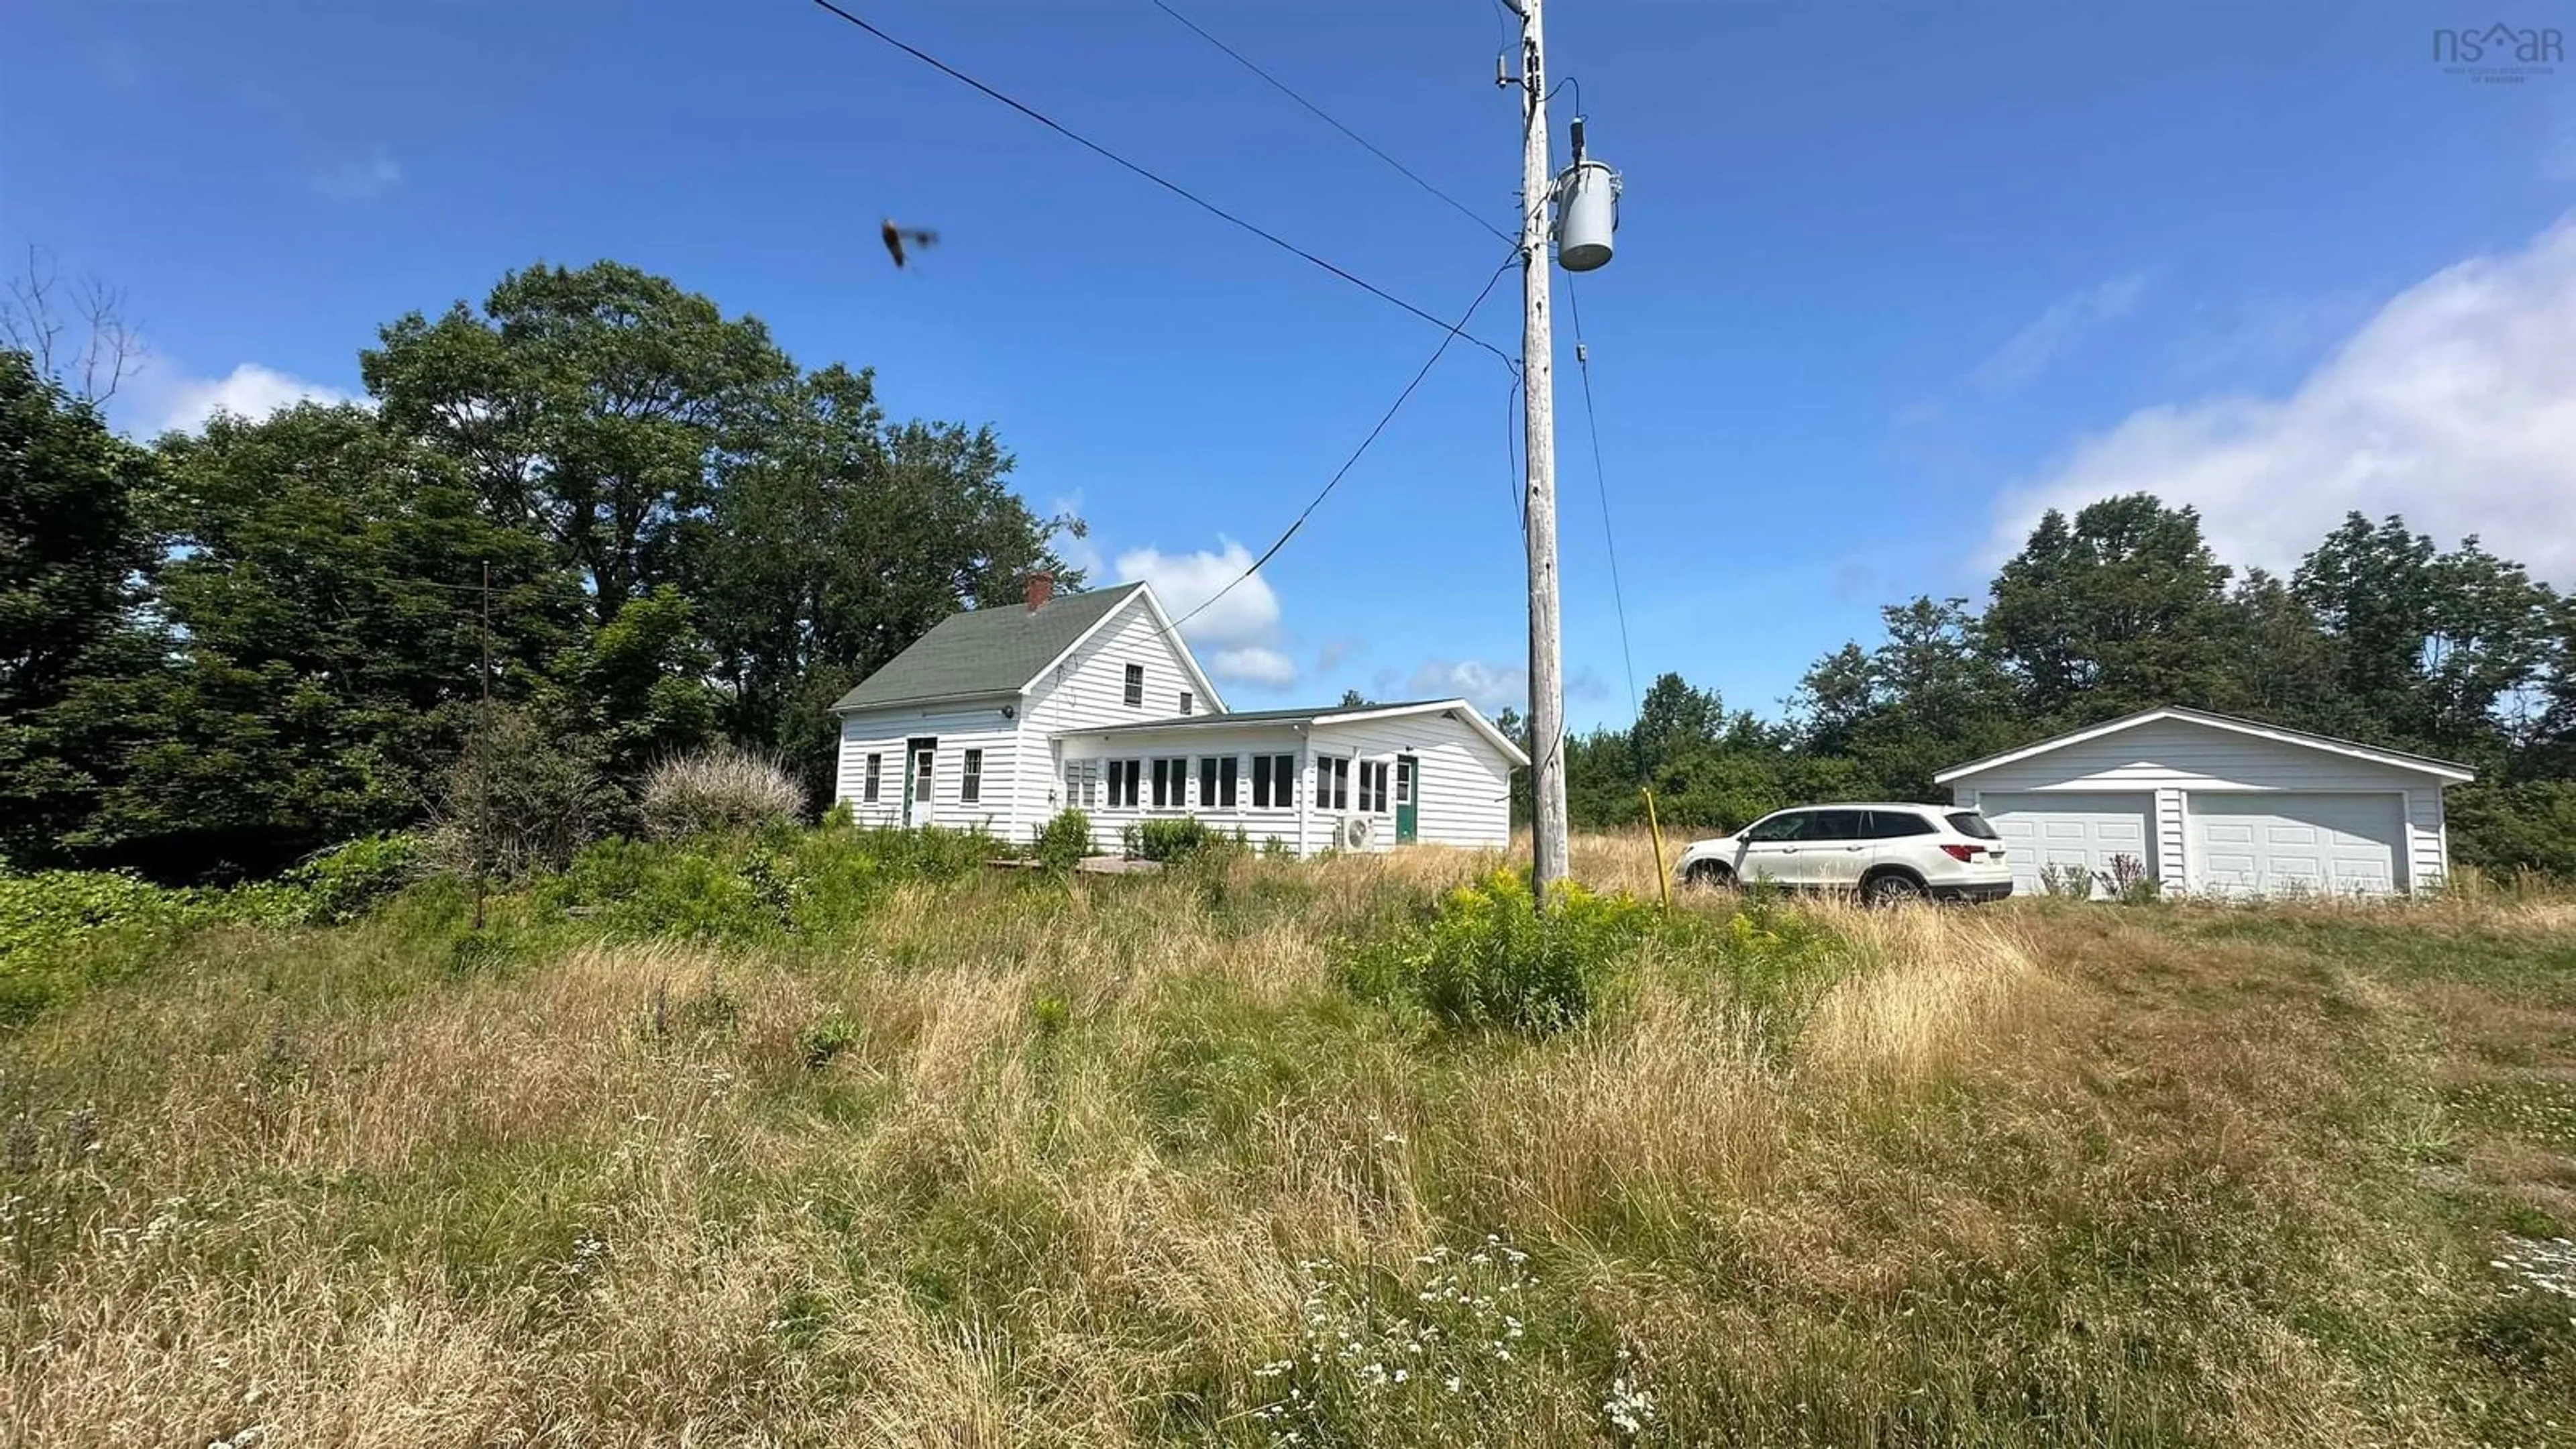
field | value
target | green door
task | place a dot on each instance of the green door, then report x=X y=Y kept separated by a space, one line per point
x=1408 y=789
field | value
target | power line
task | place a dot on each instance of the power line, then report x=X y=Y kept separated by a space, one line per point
x=1454 y=330
x=1592 y=425
x=1320 y=114
x=1171 y=186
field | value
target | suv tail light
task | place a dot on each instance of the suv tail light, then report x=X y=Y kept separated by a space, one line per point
x=1963 y=852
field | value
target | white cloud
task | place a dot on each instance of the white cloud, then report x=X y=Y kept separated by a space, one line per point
x=1489 y=687
x=249 y=391
x=2455 y=405
x=1253 y=664
x=1241 y=628
x=356 y=178
x=2030 y=350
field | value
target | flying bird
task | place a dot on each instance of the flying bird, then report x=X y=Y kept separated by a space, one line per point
x=896 y=236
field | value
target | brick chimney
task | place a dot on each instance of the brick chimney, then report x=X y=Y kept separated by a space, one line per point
x=1041 y=589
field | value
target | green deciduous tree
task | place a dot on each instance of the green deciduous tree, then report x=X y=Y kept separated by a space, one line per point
x=592 y=406
x=838 y=541
x=2426 y=644
x=2115 y=611
x=75 y=554
x=324 y=659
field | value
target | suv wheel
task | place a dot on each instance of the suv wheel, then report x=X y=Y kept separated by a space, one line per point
x=1894 y=888
x=1709 y=875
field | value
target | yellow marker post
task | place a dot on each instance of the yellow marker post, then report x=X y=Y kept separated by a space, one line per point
x=1663 y=877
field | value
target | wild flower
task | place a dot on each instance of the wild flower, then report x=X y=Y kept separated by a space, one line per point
x=1376 y=1354
x=1628 y=1408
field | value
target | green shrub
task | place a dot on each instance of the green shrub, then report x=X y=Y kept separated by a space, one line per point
x=1170 y=840
x=2504 y=829
x=1064 y=841
x=825 y=1040
x=523 y=799
x=41 y=912
x=2066 y=882
x=635 y=888
x=716 y=792
x=929 y=853
x=339 y=884
x=63 y=929
x=2130 y=884
x=1489 y=958
x=809 y=883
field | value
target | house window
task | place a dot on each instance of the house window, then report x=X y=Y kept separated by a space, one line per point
x=1274 y=782
x=1082 y=783
x=970 y=789
x=1135 y=684
x=1216 y=782
x=876 y=772
x=1123 y=775
x=1185 y=701
x=1373 y=787
x=1404 y=779
x=1171 y=784
x=1332 y=784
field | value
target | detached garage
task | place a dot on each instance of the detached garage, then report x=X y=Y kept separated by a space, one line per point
x=2215 y=805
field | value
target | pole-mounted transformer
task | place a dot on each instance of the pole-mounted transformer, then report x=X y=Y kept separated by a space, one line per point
x=1587 y=210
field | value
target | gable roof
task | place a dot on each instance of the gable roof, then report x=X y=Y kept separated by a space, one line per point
x=994 y=650
x=1333 y=715
x=2395 y=759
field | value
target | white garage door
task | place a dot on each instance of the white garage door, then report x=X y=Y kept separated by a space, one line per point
x=2069 y=829
x=2297 y=843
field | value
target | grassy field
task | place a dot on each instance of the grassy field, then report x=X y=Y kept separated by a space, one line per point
x=1008 y=1161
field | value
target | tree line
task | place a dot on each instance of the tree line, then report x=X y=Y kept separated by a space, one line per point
x=2379 y=636
x=222 y=651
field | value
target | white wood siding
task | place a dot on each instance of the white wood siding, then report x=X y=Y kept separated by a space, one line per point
x=1278 y=822
x=2428 y=842
x=885 y=733
x=1463 y=791
x=1089 y=690
x=2177 y=759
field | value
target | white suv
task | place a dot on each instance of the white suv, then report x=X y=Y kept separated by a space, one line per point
x=1886 y=853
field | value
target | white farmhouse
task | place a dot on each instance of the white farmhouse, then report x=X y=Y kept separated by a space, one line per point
x=1002 y=716
x=2216 y=805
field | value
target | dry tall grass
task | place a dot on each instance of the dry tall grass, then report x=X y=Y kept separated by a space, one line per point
x=1035 y=1164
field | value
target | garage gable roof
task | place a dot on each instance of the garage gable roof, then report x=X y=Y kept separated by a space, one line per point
x=2442 y=770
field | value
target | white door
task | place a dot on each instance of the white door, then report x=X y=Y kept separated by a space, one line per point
x=1777 y=849
x=917 y=783
x=2049 y=828
x=2314 y=844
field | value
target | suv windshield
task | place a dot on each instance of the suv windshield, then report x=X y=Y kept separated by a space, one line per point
x=1969 y=822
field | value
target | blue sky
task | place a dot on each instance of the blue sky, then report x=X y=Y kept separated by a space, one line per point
x=1888 y=279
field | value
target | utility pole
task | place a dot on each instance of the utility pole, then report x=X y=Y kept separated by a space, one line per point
x=1538 y=392
x=483 y=770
